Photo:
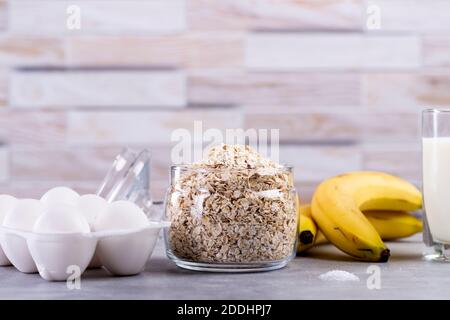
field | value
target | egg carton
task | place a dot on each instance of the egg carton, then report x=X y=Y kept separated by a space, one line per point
x=57 y=255
x=61 y=234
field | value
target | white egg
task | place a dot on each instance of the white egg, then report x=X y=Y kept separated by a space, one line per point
x=60 y=242
x=91 y=206
x=59 y=195
x=22 y=217
x=61 y=219
x=7 y=203
x=124 y=254
x=54 y=254
x=24 y=214
x=121 y=215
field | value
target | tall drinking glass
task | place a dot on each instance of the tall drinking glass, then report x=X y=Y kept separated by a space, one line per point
x=436 y=180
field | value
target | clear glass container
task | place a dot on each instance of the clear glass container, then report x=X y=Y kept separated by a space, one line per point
x=129 y=179
x=436 y=182
x=231 y=220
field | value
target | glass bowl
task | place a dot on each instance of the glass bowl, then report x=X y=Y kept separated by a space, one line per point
x=231 y=220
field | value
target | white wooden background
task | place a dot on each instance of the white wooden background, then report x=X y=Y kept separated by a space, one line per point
x=345 y=98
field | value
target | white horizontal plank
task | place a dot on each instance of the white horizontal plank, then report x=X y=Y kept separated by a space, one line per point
x=81 y=88
x=3 y=15
x=300 y=89
x=293 y=51
x=305 y=127
x=407 y=92
x=190 y=50
x=275 y=15
x=145 y=127
x=403 y=160
x=30 y=51
x=340 y=126
x=4 y=163
x=50 y=163
x=316 y=163
x=41 y=128
x=436 y=51
x=300 y=109
x=413 y=15
x=4 y=85
x=46 y=17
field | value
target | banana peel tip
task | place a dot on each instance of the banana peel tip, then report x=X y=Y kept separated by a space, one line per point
x=384 y=256
x=306 y=237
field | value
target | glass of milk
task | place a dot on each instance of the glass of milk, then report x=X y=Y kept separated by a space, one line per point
x=436 y=181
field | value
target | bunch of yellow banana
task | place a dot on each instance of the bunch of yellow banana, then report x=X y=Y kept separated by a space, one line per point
x=390 y=225
x=307 y=229
x=356 y=211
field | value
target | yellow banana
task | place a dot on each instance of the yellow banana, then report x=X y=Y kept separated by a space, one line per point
x=307 y=229
x=338 y=203
x=394 y=224
x=390 y=225
x=320 y=238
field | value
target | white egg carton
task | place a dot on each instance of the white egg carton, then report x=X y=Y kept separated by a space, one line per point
x=64 y=232
x=55 y=256
x=56 y=238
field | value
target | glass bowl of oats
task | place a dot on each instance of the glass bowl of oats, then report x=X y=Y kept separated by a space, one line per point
x=235 y=211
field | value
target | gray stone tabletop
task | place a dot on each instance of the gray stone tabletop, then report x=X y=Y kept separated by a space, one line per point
x=406 y=276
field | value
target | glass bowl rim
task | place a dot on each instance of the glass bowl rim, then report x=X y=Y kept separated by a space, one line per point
x=437 y=110
x=190 y=167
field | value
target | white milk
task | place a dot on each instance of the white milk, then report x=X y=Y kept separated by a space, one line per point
x=436 y=186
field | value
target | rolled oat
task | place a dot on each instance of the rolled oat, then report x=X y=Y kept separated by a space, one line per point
x=235 y=206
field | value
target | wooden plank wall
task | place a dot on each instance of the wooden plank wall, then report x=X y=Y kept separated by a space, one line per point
x=344 y=97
